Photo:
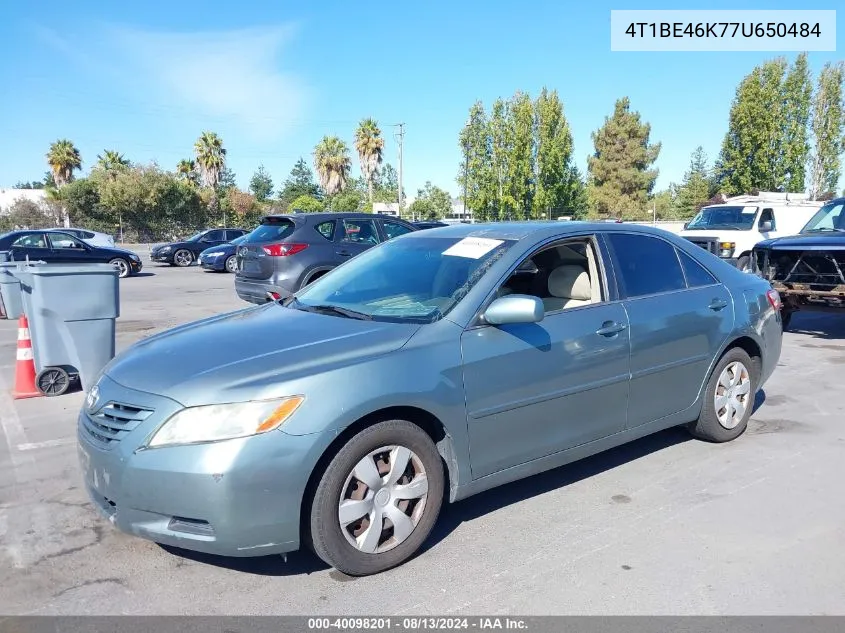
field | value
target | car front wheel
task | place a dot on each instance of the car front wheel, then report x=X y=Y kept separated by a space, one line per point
x=378 y=499
x=183 y=257
x=232 y=264
x=122 y=267
x=728 y=398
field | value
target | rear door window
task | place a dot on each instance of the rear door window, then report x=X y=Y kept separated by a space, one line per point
x=359 y=232
x=232 y=234
x=646 y=265
x=33 y=240
x=215 y=236
x=696 y=274
x=270 y=230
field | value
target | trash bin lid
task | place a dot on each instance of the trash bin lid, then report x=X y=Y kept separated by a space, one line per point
x=72 y=269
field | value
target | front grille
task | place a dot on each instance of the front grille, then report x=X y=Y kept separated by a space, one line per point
x=113 y=422
x=709 y=244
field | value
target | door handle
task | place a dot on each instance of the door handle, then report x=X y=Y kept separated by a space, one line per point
x=717 y=304
x=610 y=328
x=344 y=253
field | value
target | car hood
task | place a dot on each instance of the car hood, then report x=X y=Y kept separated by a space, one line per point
x=223 y=248
x=173 y=245
x=116 y=252
x=807 y=242
x=722 y=234
x=246 y=354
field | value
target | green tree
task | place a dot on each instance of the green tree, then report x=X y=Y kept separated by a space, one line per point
x=695 y=188
x=332 y=162
x=476 y=172
x=370 y=146
x=501 y=145
x=186 y=169
x=828 y=128
x=111 y=161
x=797 y=97
x=431 y=203
x=620 y=171
x=300 y=182
x=307 y=204
x=348 y=200
x=558 y=186
x=82 y=202
x=261 y=184
x=211 y=158
x=520 y=175
x=63 y=159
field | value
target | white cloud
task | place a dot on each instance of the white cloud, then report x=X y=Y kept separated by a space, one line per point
x=232 y=79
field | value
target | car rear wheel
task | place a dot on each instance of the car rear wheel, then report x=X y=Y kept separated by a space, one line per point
x=122 y=266
x=744 y=263
x=232 y=264
x=785 y=319
x=378 y=499
x=183 y=257
x=728 y=398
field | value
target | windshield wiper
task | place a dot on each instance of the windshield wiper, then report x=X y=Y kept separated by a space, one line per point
x=332 y=309
x=825 y=229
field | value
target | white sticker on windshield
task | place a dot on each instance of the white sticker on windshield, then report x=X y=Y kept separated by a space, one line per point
x=472 y=247
x=749 y=210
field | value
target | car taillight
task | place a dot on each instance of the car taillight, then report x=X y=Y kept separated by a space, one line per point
x=283 y=250
x=774 y=299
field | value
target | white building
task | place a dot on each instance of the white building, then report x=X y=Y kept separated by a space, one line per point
x=8 y=197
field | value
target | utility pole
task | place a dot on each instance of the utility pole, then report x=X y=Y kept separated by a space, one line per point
x=400 y=136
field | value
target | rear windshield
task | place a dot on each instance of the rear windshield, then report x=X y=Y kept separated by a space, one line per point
x=271 y=229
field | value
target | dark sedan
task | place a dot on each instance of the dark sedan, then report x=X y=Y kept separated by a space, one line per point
x=186 y=252
x=221 y=259
x=56 y=247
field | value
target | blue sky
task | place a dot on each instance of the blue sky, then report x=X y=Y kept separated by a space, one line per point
x=273 y=77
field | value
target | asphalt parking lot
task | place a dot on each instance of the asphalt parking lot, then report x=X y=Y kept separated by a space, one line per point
x=666 y=525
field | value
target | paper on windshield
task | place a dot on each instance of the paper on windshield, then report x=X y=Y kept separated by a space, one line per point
x=749 y=210
x=472 y=247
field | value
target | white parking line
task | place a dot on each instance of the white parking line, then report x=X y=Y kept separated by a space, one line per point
x=31 y=446
x=12 y=429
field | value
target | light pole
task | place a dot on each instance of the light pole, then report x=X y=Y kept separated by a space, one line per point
x=466 y=177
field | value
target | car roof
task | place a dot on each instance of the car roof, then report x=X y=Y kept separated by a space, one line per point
x=332 y=215
x=535 y=229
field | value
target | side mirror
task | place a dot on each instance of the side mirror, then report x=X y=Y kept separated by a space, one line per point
x=514 y=309
x=766 y=226
x=686 y=225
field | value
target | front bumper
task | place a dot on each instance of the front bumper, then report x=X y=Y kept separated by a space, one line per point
x=135 y=267
x=160 y=258
x=212 y=263
x=256 y=290
x=238 y=497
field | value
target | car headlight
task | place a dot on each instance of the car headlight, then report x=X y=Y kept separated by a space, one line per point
x=165 y=249
x=726 y=249
x=135 y=258
x=216 y=422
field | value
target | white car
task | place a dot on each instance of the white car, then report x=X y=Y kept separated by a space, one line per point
x=91 y=237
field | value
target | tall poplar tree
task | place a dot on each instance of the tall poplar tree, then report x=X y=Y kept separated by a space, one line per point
x=828 y=130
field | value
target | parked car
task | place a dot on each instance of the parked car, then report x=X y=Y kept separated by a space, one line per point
x=221 y=258
x=186 y=252
x=290 y=251
x=732 y=229
x=453 y=360
x=808 y=269
x=90 y=237
x=57 y=247
x=429 y=225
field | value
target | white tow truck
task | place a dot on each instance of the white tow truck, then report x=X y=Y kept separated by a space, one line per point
x=731 y=229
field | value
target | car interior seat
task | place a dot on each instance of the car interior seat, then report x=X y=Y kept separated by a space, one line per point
x=569 y=286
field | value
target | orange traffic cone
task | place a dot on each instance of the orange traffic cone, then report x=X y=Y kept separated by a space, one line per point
x=25 y=366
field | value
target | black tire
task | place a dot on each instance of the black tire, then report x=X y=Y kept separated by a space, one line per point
x=124 y=269
x=708 y=427
x=743 y=262
x=326 y=535
x=786 y=318
x=52 y=381
x=231 y=264
x=183 y=257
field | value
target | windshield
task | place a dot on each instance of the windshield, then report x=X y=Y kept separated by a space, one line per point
x=409 y=279
x=722 y=217
x=828 y=218
x=271 y=229
x=195 y=238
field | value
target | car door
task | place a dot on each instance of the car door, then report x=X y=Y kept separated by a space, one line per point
x=67 y=249
x=679 y=315
x=539 y=388
x=354 y=236
x=394 y=228
x=33 y=246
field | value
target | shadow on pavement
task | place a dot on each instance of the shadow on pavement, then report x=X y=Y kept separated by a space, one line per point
x=819 y=325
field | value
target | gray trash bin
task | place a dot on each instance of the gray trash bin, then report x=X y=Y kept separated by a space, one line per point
x=10 y=289
x=71 y=311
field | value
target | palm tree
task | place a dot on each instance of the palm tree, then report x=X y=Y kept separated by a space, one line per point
x=211 y=158
x=370 y=146
x=111 y=160
x=332 y=162
x=187 y=169
x=63 y=159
